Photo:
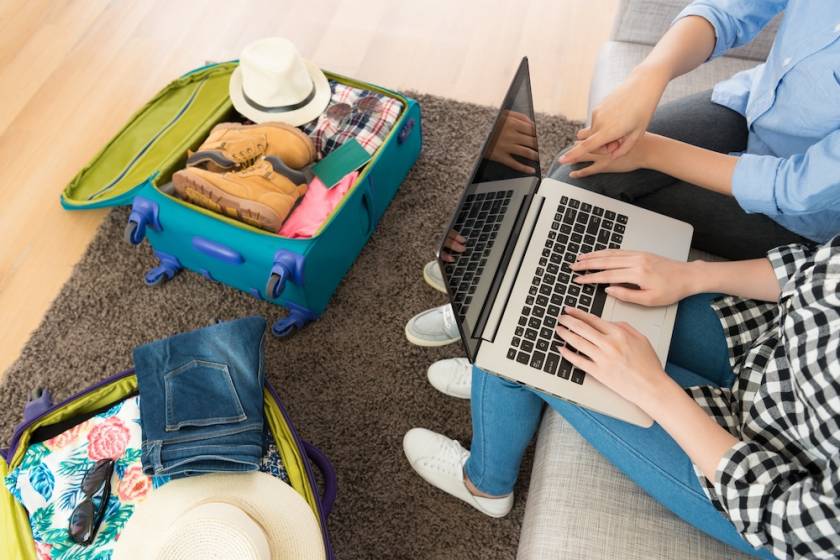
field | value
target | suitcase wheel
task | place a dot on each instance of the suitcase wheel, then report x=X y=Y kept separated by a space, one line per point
x=144 y=212
x=297 y=318
x=275 y=285
x=169 y=266
x=39 y=402
x=287 y=266
x=133 y=233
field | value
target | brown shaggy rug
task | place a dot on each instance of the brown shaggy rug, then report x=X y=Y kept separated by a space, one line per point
x=351 y=381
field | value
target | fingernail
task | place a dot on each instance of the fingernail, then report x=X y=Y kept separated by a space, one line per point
x=609 y=290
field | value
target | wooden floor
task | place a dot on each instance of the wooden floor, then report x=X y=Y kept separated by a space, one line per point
x=73 y=71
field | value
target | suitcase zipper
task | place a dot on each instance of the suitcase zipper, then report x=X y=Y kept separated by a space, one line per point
x=150 y=143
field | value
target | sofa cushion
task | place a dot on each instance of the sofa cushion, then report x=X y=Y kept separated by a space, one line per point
x=581 y=507
x=645 y=21
x=617 y=59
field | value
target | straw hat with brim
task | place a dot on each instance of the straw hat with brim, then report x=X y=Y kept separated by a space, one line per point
x=250 y=516
x=274 y=83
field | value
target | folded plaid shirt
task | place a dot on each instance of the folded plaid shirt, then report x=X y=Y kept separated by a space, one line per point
x=780 y=484
x=369 y=128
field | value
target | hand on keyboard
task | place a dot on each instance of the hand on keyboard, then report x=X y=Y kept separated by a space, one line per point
x=455 y=243
x=660 y=281
x=615 y=354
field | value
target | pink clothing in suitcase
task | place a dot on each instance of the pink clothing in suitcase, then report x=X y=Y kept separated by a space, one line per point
x=316 y=206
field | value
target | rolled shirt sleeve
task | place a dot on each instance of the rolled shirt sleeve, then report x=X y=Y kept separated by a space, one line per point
x=800 y=184
x=787 y=260
x=773 y=505
x=736 y=22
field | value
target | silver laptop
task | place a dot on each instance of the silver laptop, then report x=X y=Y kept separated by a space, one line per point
x=509 y=279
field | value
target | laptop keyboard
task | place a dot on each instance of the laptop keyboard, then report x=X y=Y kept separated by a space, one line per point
x=479 y=222
x=578 y=227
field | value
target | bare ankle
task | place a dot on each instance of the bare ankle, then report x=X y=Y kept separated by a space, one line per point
x=475 y=491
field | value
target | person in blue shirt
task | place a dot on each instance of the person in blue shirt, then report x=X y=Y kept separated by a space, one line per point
x=753 y=163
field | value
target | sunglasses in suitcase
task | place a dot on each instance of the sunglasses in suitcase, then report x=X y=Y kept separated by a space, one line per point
x=300 y=275
x=300 y=458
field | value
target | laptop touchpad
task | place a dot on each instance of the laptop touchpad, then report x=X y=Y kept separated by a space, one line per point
x=647 y=320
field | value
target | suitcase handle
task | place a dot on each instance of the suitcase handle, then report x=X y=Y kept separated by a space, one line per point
x=327 y=471
x=217 y=250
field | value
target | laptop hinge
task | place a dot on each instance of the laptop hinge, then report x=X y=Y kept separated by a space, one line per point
x=512 y=271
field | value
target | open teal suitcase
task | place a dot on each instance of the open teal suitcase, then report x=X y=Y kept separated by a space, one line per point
x=298 y=274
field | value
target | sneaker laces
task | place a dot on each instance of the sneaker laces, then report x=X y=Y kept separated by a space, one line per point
x=452 y=450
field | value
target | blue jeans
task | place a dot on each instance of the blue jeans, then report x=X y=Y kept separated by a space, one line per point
x=505 y=417
x=201 y=400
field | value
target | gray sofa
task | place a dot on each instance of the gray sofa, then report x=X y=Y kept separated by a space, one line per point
x=579 y=506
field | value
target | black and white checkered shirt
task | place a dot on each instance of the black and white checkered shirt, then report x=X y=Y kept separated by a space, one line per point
x=780 y=484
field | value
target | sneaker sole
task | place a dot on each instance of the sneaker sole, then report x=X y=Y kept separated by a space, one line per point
x=433 y=281
x=203 y=193
x=427 y=343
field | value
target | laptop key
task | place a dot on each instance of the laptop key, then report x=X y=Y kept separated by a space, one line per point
x=610 y=215
x=565 y=369
x=538 y=311
x=603 y=236
x=520 y=330
x=522 y=358
x=542 y=345
x=577 y=376
x=554 y=310
x=526 y=346
x=545 y=289
x=622 y=219
x=598 y=301
x=511 y=354
x=537 y=360
x=546 y=333
x=551 y=363
x=534 y=323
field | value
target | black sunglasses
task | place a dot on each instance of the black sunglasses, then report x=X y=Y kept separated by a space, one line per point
x=86 y=517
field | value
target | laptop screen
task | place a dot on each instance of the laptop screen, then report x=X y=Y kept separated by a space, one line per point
x=479 y=239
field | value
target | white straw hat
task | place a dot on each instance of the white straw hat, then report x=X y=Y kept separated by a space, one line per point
x=273 y=83
x=251 y=516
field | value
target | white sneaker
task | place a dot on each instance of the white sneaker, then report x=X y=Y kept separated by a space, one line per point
x=433 y=327
x=452 y=377
x=440 y=462
x=433 y=276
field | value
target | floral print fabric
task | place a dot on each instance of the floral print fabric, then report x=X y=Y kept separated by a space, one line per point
x=48 y=481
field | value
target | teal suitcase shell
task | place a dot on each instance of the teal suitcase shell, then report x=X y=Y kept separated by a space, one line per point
x=298 y=274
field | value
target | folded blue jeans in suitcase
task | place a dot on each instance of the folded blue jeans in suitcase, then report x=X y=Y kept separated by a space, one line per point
x=201 y=400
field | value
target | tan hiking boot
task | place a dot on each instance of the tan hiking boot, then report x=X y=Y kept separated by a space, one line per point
x=262 y=195
x=233 y=146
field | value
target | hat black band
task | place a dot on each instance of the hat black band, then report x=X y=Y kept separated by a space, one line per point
x=281 y=108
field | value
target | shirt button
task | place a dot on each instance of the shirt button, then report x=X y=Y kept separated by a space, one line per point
x=786 y=61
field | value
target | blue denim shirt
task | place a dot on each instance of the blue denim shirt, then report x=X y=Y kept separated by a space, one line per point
x=791 y=168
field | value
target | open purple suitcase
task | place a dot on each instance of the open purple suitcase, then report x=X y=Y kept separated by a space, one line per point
x=299 y=457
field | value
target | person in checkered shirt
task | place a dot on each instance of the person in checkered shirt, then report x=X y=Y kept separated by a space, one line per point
x=746 y=445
